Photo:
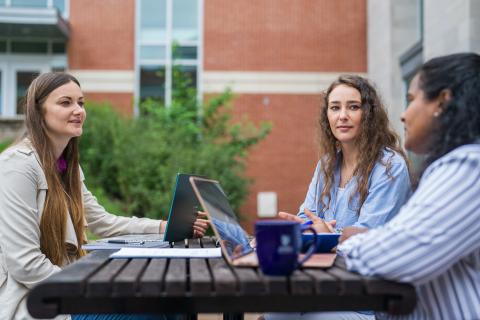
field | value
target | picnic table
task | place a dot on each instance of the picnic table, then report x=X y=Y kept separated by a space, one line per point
x=98 y=284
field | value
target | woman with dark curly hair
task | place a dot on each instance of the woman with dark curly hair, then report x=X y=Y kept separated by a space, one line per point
x=433 y=242
x=362 y=177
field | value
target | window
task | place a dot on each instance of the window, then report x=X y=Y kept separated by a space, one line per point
x=168 y=32
x=61 y=5
x=24 y=78
x=1 y=93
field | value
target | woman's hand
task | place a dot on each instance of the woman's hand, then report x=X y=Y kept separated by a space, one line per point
x=291 y=217
x=200 y=225
x=350 y=231
x=320 y=225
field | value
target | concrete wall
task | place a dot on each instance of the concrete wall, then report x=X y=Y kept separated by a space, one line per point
x=10 y=129
x=447 y=27
x=392 y=29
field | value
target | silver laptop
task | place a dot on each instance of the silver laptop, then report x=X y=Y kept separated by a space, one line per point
x=234 y=241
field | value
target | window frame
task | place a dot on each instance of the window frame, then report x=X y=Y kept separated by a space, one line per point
x=65 y=14
x=167 y=63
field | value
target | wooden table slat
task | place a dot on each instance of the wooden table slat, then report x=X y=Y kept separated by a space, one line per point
x=250 y=282
x=176 y=277
x=209 y=242
x=151 y=283
x=78 y=272
x=201 y=282
x=277 y=285
x=224 y=281
x=324 y=283
x=100 y=284
x=301 y=283
x=349 y=283
x=126 y=282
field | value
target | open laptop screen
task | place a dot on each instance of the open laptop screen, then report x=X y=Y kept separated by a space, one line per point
x=232 y=236
x=183 y=210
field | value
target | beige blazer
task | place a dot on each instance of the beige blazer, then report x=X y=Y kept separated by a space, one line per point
x=23 y=188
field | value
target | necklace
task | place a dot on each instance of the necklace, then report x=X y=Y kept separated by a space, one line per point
x=345 y=177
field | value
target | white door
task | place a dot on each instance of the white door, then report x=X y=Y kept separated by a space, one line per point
x=3 y=87
x=21 y=76
x=15 y=77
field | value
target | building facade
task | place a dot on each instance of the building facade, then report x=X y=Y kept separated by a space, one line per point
x=276 y=55
x=404 y=34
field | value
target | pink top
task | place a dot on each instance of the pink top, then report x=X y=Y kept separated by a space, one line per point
x=61 y=164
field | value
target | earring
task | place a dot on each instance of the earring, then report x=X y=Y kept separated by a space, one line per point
x=436 y=114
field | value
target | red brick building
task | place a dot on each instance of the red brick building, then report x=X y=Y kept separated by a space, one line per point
x=277 y=55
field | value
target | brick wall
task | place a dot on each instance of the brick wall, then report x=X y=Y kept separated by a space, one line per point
x=102 y=34
x=123 y=102
x=285 y=160
x=285 y=35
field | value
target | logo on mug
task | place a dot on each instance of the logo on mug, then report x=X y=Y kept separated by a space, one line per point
x=285 y=247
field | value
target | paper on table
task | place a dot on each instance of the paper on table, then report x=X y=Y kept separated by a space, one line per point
x=167 y=253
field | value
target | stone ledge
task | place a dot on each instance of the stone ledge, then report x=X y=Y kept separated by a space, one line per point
x=11 y=128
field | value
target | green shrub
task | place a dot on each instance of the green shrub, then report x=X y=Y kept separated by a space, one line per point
x=4 y=144
x=133 y=162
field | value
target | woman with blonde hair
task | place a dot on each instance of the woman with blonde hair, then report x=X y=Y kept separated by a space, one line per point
x=45 y=205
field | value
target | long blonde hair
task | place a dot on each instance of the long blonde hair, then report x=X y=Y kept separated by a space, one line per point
x=375 y=135
x=64 y=194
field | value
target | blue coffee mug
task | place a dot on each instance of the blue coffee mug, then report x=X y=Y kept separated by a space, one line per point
x=279 y=243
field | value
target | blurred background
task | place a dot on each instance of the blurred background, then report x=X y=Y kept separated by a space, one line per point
x=276 y=56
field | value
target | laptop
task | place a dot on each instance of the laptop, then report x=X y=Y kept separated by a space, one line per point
x=183 y=210
x=234 y=241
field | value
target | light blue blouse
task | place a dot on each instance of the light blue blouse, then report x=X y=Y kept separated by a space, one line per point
x=386 y=194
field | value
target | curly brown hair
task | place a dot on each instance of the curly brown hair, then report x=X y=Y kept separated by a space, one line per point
x=375 y=135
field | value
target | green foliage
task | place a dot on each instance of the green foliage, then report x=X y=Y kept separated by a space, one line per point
x=4 y=144
x=132 y=163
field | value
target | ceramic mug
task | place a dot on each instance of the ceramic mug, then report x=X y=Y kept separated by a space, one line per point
x=279 y=243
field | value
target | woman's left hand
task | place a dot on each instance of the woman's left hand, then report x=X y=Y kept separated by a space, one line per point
x=200 y=225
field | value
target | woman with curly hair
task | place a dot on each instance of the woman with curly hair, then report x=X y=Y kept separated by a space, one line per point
x=433 y=242
x=362 y=177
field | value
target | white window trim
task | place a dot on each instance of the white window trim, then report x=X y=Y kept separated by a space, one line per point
x=8 y=3
x=9 y=65
x=167 y=62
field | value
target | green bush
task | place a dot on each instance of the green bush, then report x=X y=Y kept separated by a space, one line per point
x=132 y=163
x=4 y=144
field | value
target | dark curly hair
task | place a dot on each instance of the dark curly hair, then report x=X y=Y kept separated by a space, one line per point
x=459 y=121
x=375 y=135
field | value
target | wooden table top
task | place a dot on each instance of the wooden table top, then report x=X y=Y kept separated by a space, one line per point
x=98 y=284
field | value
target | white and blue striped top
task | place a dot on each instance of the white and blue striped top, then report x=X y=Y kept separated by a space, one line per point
x=433 y=242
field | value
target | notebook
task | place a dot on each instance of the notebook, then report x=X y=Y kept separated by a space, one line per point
x=234 y=241
x=183 y=210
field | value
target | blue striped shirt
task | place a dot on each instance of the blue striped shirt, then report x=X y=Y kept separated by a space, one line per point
x=433 y=242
